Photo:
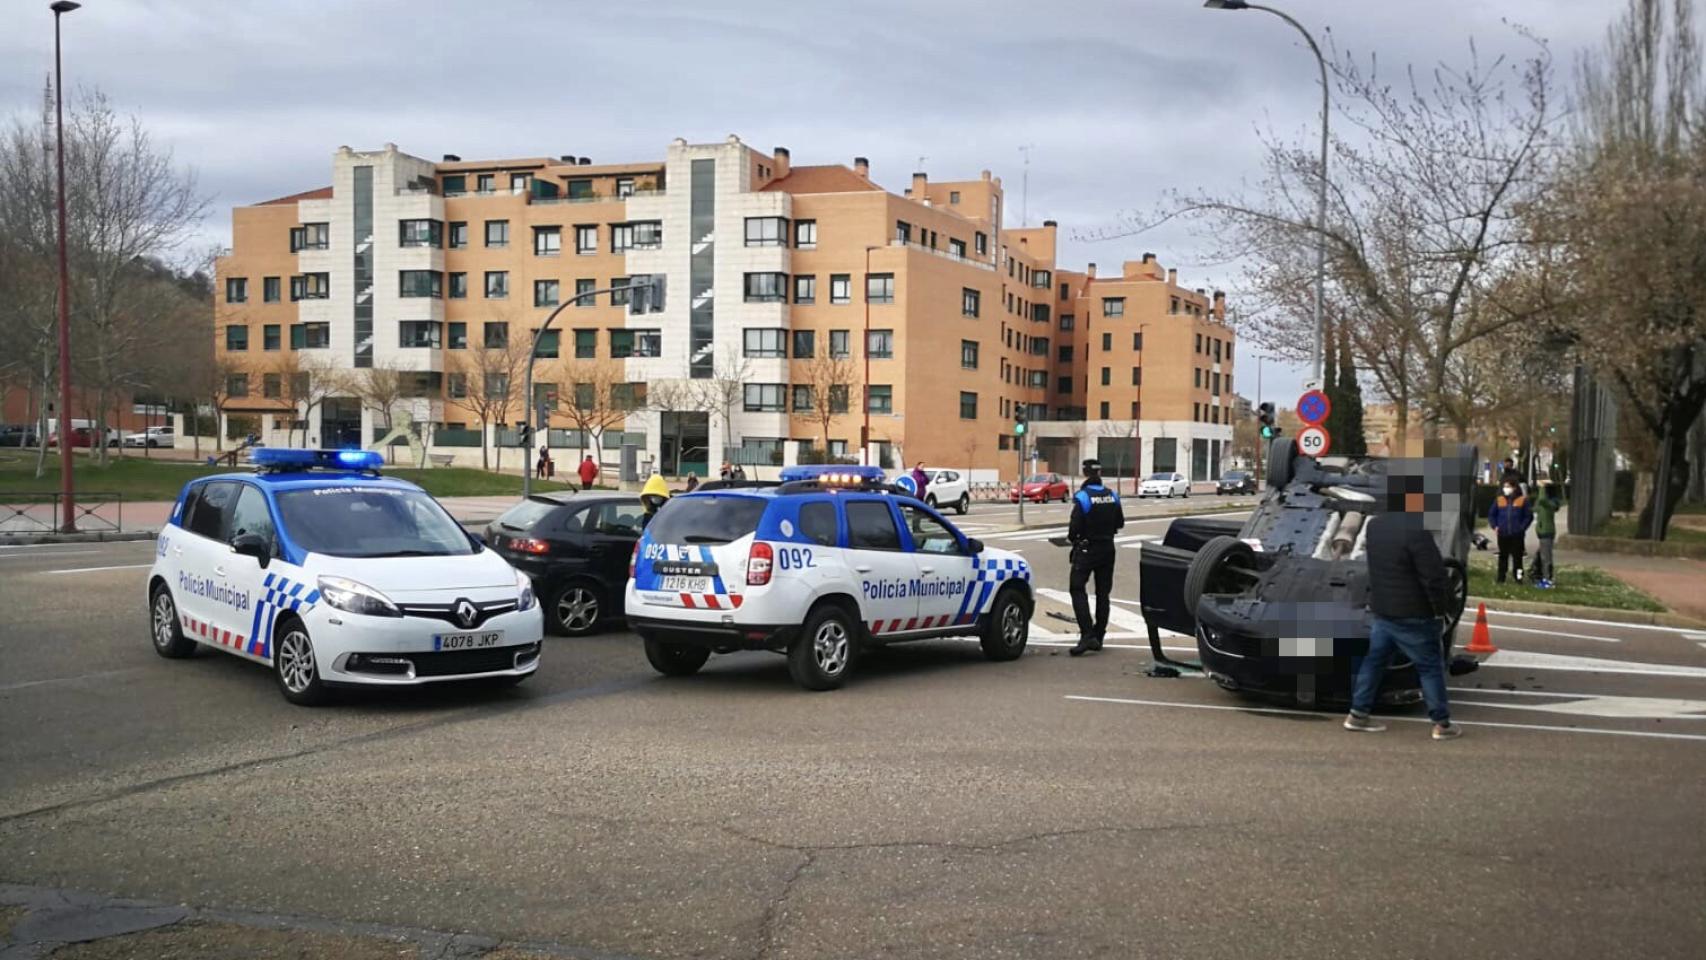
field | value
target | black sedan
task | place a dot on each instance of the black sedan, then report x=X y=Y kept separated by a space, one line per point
x=1235 y=482
x=575 y=548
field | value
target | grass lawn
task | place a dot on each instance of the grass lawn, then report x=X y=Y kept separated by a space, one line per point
x=1678 y=533
x=1577 y=585
x=154 y=479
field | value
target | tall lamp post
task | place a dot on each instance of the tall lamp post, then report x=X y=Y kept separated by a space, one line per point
x=1321 y=184
x=68 y=516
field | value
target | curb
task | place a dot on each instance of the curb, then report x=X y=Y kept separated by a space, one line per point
x=1632 y=548
x=95 y=536
x=1640 y=617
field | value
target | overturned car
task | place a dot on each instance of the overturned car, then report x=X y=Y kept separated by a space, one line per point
x=1278 y=602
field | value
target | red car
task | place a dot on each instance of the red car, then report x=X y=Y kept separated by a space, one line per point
x=1041 y=488
x=80 y=437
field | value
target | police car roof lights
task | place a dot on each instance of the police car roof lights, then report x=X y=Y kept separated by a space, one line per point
x=835 y=474
x=283 y=459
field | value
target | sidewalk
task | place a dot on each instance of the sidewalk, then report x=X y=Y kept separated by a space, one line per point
x=1675 y=582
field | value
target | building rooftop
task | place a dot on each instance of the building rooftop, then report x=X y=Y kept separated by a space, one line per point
x=830 y=178
x=323 y=193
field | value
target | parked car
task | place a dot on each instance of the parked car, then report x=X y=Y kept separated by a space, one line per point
x=1164 y=485
x=17 y=435
x=1041 y=488
x=948 y=488
x=83 y=437
x=152 y=437
x=575 y=548
x=1235 y=482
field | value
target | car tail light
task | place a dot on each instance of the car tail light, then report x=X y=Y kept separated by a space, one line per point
x=633 y=559
x=529 y=545
x=758 y=562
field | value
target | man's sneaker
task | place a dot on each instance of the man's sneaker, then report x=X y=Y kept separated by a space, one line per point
x=1096 y=642
x=1447 y=731
x=1085 y=645
x=1358 y=724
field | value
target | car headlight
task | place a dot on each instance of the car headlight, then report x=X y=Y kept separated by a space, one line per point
x=352 y=597
x=525 y=599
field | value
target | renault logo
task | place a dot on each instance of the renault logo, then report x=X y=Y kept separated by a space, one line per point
x=466 y=613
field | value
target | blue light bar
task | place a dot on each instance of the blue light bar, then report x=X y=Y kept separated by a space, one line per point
x=281 y=458
x=834 y=473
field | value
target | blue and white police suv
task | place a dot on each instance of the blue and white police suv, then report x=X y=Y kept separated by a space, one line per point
x=333 y=575
x=828 y=561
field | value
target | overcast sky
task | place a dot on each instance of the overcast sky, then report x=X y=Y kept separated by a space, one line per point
x=1121 y=100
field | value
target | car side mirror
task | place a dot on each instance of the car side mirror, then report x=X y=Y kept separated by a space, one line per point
x=476 y=541
x=253 y=545
x=974 y=546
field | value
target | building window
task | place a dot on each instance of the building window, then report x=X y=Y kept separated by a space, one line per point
x=459 y=285
x=1039 y=313
x=1173 y=305
x=1113 y=306
x=805 y=234
x=805 y=289
x=1063 y=385
x=805 y=344
x=766 y=343
x=458 y=234
x=766 y=288
x=1199 y=343
x=236 y=289
x=497 y=284
x=496 y=335
x=272 y=386
x=879 y=287
x=547 y=344
x=953 y=196
x=1064 y=354
x=1104 y=410
x=879 y=344
x=1107 y=376
x=1196 y=379
x=546 y=293
x=580 y=189
x=638 y=235
x=1001 y=441
x=418 y=333
x=840 y=288
x=497 y=233
x=586 y=239
x=968 y=354
x=765 y=397
x=840 y=344
x=518 y=183
x=270 y=290
x=971 y=302
x=1042 y=279
x=586 y=344
x=454 y=184
x=839 y=400
x=1137 y=376
x=766 y=231
x=1037 y=379
x=311 y=236
x=1066 y=321
x=903 y=231
x=627 y=396
x=420 y=233
x=458 y=339
x=237 y=385
x=968 y=405
x=420 y=283
x=310 y=336
x=1137 y=340
x=236 y=337
x=956 y=248
x=648 y=343
x=456 y=385
x=270 y=337
x=547 y=241
x=485 y=183
x=980 y=243
x=1107 y=341
x=1214 y=383
x=311 y=286
x=497 y=386
x=803 y=397
x=583 y=292
x=882 y=398
x=619 y=293
x=624 y=187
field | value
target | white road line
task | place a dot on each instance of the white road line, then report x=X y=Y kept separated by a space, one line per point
x=1694 y=636
x=1597 y=623
x=1611 y=707
x=55 y=555
x=122 y=566
x=1554 y=633
x=1524 y=660
x=1467 y=723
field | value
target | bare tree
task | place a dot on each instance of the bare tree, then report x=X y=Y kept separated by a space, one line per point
x=601 y=399
x=485 y=380
x=724 y=391
x=831 y=380
x=382 y=388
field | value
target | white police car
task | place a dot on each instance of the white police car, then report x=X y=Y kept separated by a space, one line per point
x=333 y=575
x=829 y=560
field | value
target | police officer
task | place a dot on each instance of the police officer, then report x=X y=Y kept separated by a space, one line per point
x=1096 y=518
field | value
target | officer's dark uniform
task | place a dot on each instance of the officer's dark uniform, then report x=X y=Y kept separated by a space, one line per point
x=1096 y=518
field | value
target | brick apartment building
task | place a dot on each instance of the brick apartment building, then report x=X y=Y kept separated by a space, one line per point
x=407 y=264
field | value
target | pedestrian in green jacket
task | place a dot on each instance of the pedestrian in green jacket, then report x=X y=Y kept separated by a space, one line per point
x=1546 y=529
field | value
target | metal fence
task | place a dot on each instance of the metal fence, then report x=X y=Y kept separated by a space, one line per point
x=27 y=514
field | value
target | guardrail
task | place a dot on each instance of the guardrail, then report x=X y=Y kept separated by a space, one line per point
x=24 y=514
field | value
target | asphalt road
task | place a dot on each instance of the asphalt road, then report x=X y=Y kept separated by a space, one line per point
x=938 y=806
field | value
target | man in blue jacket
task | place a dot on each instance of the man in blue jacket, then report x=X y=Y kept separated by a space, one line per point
x=1509 y=517
x=1096 y=517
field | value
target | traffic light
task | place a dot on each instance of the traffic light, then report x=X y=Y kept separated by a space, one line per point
x=1265 y=415
x=1020 y=416
x=524 y=435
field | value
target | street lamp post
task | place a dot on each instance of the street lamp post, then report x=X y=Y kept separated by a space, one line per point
x=1321 y=183
x=68 y=516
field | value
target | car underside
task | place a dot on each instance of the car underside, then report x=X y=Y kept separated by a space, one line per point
x=1278 y=602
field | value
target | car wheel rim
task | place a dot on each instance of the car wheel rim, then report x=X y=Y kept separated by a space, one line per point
x=165 y=618
x=1013 y=626
x=296 y=661
x=829 y=648
x=578 y=609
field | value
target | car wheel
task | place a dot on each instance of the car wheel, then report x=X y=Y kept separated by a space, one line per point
x=964 y=504
x=1280 y=452
x=1223 y=565
x=1008 y=628
x=169 y=639
x=577 y=609
x=818 y=659
x=675 y=659
x=1457 y=586
x=930 y=500
x=294 y=668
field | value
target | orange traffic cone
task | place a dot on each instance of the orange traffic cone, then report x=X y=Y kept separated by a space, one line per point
x=1481 y=641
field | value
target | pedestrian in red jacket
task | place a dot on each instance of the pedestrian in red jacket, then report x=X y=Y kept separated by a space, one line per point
x=588 y=472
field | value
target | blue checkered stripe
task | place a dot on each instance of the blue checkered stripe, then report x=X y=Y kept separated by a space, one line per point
x=280 y=593
x=989 y=573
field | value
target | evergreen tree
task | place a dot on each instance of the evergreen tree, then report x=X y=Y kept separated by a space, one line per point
x=1347 y=431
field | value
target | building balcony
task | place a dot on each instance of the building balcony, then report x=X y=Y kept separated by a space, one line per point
x=596 y=198
x=945 y=255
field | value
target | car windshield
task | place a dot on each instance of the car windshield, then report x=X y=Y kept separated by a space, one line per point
x=1038 y=478
x=370 y=522
x=1234 y=475
x=525 y=514
x=1160 y=476
x=706 y=519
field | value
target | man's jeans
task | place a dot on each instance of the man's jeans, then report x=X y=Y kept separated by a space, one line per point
x=1419 y=639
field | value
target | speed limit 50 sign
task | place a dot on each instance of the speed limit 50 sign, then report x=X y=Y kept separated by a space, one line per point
x=1313 y=441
